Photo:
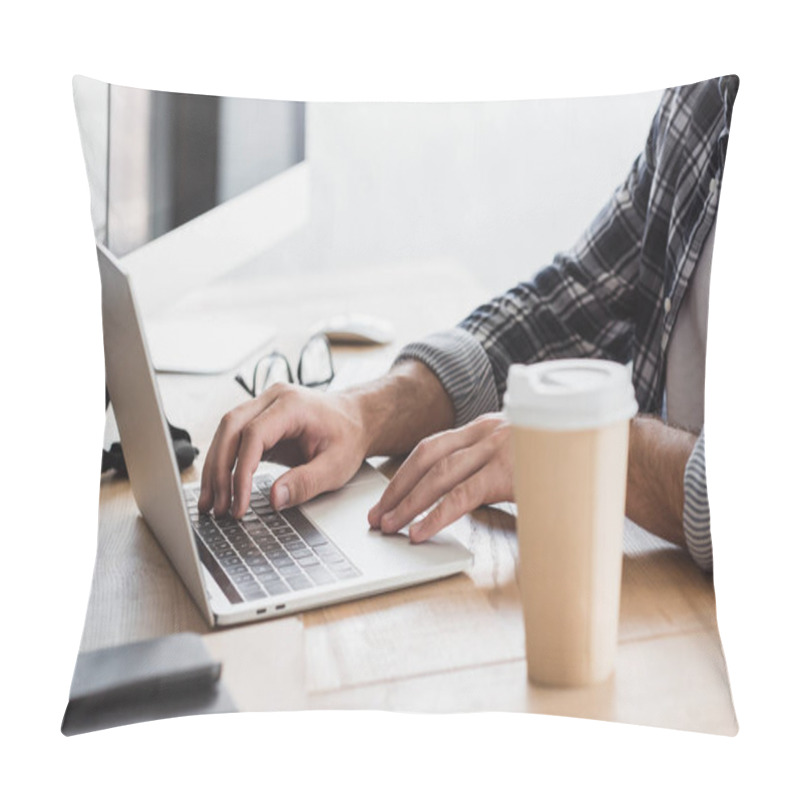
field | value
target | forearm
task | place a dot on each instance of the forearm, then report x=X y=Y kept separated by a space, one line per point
x=657 y=457
x=401 y=408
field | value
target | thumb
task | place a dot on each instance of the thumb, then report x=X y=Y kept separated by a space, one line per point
x=302 y=483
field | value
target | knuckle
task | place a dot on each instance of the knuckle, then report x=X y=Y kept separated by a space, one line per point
x=460 y=496
x=486 y=423
x=283 y=390
x=275 y=391
x=434 y=514
x=426 y=449
x=421 y=450
x=249 y=434
x=441 y=468
x=228 y=422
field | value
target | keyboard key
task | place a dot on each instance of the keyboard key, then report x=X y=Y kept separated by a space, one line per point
x=298 y=582
x=276 y=588
x=229 y=529
x=285 y=544
x=313 y=538
x=329 y=555
x=254 y=593
x=266 y=550
x=254 y=528
x=319 y=575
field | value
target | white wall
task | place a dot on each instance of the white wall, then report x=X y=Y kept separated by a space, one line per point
x=501 y=186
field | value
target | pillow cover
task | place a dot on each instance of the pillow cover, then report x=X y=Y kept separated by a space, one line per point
x=252 y=221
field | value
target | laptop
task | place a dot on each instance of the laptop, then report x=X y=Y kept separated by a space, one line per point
x=268 y=564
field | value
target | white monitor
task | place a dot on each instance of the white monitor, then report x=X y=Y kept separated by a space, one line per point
x=185 y=189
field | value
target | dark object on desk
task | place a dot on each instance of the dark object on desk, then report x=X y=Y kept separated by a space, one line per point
x=185 y=451
x=172 y=676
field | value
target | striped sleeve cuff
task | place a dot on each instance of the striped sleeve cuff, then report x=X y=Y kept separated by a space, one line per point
x=462 y=367
x=696 y=516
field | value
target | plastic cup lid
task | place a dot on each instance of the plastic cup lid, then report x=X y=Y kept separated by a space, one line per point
x=569 y=394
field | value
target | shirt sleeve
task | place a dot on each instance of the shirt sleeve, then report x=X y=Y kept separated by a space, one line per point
x=582 y=305
x=462 y=367
x=696 y=515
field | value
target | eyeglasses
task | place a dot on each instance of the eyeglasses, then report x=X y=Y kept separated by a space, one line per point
x=314 y=368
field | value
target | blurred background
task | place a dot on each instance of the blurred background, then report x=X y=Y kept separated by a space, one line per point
x=498 y=187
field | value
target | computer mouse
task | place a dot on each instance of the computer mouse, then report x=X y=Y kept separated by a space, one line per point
x=356 y=329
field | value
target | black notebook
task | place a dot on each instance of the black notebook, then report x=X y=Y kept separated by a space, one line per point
x=171 y=676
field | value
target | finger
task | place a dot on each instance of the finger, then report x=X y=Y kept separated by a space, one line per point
x=443 y=476
x=422 y=458
x=216 y=477
x=208 y=488
x=464 y=497
x=206 y=499
x=323 y=473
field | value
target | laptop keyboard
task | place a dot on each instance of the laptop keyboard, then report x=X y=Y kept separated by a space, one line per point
x=266 y=553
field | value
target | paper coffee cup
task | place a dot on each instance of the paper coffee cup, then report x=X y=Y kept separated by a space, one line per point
x=570 y=422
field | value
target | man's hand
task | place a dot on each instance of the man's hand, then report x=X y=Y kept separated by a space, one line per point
x=323 y=431
x=328 y=434
x=462 y=469
x=472 y=466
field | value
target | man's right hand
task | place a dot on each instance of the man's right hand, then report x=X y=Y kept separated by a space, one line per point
x=325 y=431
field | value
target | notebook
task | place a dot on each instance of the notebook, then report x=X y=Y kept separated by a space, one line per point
x=268 y=563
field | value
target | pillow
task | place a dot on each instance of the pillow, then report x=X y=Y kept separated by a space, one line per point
x=255 y=221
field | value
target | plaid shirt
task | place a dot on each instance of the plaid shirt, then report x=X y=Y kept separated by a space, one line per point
x=617 y=293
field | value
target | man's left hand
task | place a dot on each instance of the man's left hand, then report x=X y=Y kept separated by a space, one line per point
x=461 y=469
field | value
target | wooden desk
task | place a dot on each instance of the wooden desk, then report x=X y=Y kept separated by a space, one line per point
x=452 y=645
